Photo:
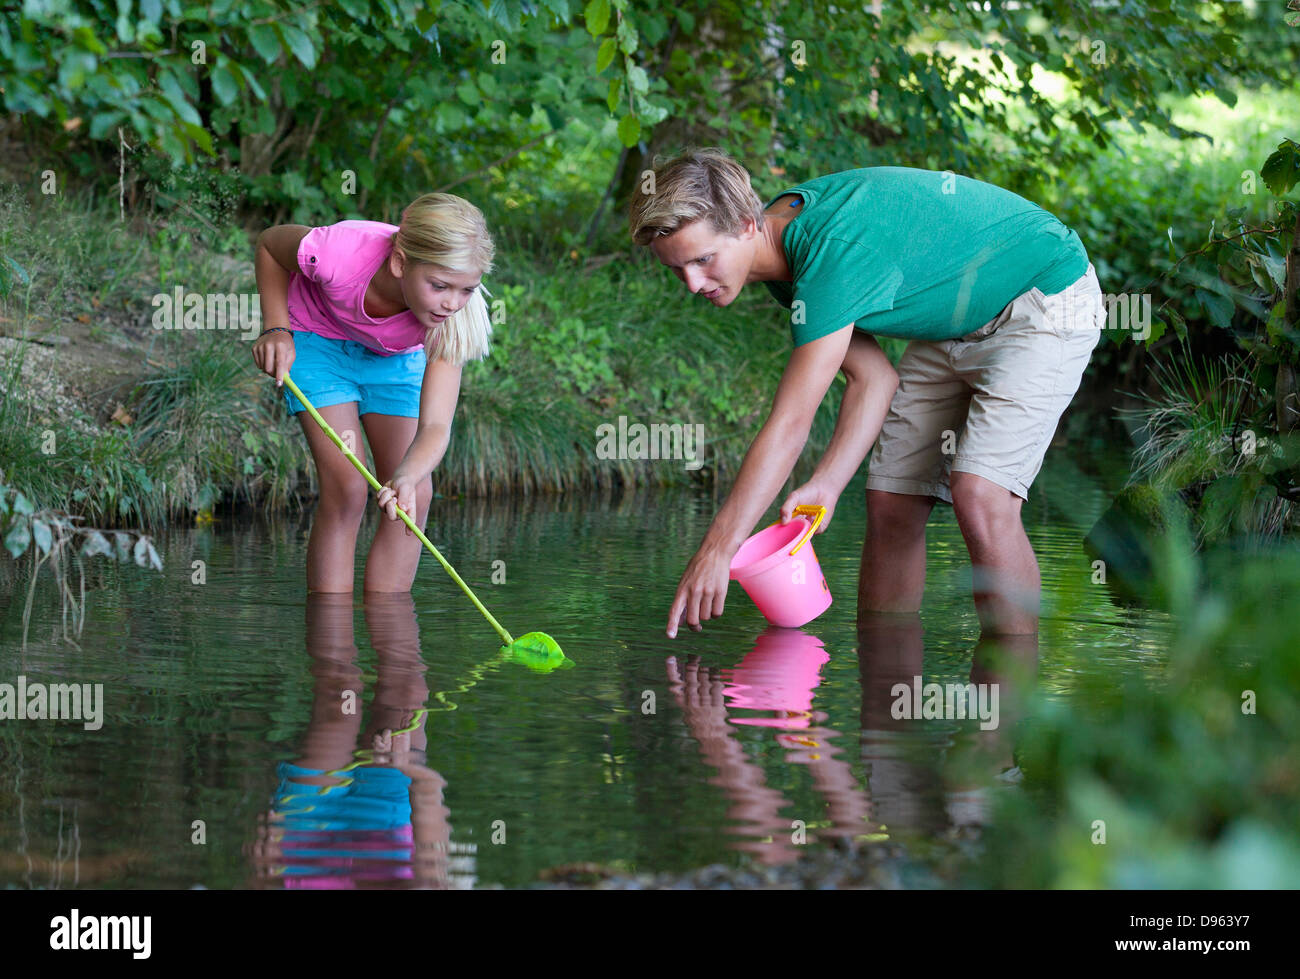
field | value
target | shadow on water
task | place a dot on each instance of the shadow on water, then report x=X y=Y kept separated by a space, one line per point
x=253 y=737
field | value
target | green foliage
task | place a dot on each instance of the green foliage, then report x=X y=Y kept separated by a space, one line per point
x=1208 y=435
x=1192 y=776
x=203 y=429
x=292 y=98
x=1281 y=170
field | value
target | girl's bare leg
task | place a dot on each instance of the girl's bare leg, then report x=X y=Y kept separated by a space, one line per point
x=395 y=554
x=332 y=547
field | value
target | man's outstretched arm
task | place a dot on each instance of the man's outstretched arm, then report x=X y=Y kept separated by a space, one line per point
x=702 y=591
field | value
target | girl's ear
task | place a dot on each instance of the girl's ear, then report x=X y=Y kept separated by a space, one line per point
x=396 y=262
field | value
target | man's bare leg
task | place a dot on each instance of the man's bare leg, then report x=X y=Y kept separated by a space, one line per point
x=892 y=574
x=1007 y=582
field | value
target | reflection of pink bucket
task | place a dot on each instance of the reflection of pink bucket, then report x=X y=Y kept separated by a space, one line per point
x=778 y=677
x=781 y=574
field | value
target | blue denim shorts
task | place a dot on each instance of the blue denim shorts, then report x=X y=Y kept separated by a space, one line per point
x=332 y=372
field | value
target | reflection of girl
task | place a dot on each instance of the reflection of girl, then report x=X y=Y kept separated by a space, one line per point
x=359 y=830
x=373 y=817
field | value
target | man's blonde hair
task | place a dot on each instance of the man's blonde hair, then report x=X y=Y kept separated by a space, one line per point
x=449 y=232
x=701 y=183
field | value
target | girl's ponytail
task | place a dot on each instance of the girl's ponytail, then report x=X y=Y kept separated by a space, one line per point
x=451 y=233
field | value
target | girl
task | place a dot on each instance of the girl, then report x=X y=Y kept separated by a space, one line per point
x=376 y=321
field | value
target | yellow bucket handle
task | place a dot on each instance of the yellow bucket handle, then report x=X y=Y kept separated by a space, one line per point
x=807 y=510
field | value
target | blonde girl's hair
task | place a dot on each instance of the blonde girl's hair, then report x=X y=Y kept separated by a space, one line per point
x=701 y=183
x=451 y=233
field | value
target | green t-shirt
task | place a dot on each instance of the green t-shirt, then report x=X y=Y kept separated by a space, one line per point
x=919 y=254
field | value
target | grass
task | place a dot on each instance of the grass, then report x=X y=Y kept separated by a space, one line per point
x=1188 y=425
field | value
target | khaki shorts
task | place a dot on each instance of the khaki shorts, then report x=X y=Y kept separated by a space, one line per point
x=988 y=403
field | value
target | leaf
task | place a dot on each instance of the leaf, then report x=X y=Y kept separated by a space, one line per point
x=627 y=39
x=23 y=505
x=638 y=79
x=223 y=84
x=1224 y=500
x=96 y=543
x=74 y=69
x=41 y=533
x=21 y=272
x=1219 y=308
x=560 y=8
x=1180 y=324
x=248 y=78
x=125 y=30
x=18 y=538
x=299 y=43
x=608 y=48
x=171 y=91
x=629 y=130
x=265 y=42
x=651 y=114
x=451 y=117
x=596 y=15
x=1276 y=268
x=1281 y=170
x=102 y=122
x=615 y=92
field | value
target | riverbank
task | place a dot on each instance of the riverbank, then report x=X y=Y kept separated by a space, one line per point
x=590 y=383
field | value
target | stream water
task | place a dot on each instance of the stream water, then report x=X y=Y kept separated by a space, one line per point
x=244 y=737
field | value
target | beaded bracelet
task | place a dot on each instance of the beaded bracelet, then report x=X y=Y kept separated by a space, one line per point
x=273 y=329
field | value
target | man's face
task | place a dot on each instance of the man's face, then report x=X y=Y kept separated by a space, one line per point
x=712 y=265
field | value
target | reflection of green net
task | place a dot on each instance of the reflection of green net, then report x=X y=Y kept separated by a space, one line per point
x=535 y=650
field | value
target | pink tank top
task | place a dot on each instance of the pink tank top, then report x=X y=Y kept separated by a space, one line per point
x=337 y=262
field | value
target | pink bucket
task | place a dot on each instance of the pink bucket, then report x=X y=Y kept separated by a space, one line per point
x=779 y=571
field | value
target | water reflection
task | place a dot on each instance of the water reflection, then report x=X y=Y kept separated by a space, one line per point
x=359 y=807
x=926 y=775
x=217 y=703
x=777 y=678
x=927 y=771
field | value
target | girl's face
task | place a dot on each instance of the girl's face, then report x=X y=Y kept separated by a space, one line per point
x=432 y=292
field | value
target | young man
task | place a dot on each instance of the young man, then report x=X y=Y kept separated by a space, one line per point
x=1002 y=309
